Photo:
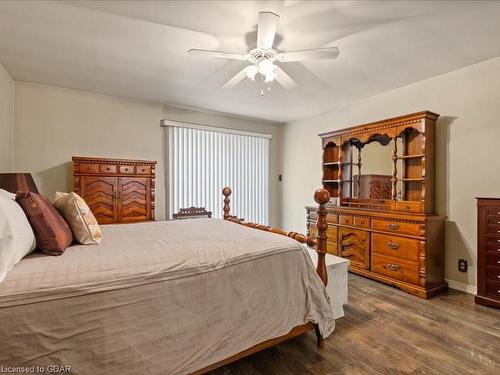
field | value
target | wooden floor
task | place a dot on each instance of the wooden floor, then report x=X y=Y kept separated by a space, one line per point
x=386 y=331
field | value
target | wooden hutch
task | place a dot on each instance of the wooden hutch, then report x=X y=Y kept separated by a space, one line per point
x=385 y=223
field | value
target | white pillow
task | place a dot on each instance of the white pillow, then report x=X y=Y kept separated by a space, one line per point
x=16 y=236
x=8 y=194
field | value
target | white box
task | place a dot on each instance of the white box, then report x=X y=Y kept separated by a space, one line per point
x=337 y=280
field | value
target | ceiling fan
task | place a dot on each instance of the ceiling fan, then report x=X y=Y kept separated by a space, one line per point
x=262 y=59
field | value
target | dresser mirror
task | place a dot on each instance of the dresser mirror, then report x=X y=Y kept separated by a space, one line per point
x=371 y=169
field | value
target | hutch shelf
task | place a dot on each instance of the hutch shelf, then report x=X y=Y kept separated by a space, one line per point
x=381 y=215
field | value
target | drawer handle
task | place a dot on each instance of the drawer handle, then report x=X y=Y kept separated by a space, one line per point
x=393 y=226
x=393 y=245
x=392 y=267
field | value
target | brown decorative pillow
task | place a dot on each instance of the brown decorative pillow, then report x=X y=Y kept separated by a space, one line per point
x=52 y=233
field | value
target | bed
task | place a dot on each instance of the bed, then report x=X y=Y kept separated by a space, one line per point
x=171 y=297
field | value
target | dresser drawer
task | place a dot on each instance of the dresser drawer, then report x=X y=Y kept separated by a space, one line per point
x=400 y=247
x=495 y=210
x=397 y=227
x=361 y=222
x=407 y=206
x=331 y=233
x=143 y=169
x=88 y=168
x=332 y=247
x=494 y=249
x=107 y=168
x=493 y=219
x=126 y=169
x=346 y=220
x=395 y=268
x=493 y=274
x=493 y=259
x=493 y=229
x=493 y=238
x=493 y=289
x=331 y=238
x=332 y=218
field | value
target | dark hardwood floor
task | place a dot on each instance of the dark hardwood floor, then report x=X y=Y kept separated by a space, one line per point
x=386 y=331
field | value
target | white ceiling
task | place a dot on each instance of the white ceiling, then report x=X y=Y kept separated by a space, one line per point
x=138 y=48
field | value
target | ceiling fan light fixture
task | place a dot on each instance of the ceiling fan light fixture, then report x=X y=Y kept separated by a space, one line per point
x=266 y=67
x=251 y=71
x=271 y=76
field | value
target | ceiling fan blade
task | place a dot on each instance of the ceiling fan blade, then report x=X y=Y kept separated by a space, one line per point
x=284 y=79
x=218 y=54
x=309 y=54
x=266 y=29
x=240 y=76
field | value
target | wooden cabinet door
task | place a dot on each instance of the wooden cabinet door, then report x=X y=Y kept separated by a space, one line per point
x=100 y=195
x=354 y=245
x=134 y=202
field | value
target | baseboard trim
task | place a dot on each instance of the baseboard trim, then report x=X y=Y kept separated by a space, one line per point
x=457 y=285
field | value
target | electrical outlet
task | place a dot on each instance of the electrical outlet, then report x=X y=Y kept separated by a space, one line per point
x=462 y=265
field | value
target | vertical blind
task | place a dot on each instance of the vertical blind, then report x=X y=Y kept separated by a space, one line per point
x=201 y=162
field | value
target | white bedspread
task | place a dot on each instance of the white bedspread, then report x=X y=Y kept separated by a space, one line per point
x=157 y=298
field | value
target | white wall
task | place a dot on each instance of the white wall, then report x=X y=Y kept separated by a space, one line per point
x=467 y=145
x=5 y=121
x=52 y=124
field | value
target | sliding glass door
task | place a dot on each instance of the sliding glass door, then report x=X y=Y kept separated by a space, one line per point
x=202 y=160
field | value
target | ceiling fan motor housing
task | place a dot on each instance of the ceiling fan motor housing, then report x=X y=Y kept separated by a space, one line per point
x=258 y=54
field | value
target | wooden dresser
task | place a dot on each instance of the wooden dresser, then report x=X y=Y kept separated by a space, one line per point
x=488 y=251
x=400 y=240
x=116 y=190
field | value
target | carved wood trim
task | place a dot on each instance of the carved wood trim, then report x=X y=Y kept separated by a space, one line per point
x=192 y=211
x=402 y=122
x=367 y=216
x=91 y=160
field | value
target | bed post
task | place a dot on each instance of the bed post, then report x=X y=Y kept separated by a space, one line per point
x=322 y=197
x=226 y=192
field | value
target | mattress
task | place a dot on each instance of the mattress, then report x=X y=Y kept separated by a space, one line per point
x=159 y=297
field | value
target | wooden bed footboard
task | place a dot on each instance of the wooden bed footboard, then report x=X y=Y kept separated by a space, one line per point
x=321 y=196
